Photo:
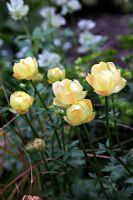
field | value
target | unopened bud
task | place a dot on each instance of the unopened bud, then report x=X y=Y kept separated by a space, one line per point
x=38 y=144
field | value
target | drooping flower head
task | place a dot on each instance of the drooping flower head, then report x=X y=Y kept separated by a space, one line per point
x=80 y=113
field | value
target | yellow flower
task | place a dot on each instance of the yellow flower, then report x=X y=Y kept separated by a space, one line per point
x=26 y=69
x=38 y=77
x=67 y=92
x=20 y=102
x=55 y=74
x=38 y=144
x=106 y=79
x=80 y=113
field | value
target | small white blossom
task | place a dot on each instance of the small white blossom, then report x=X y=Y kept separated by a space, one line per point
x=88 y=41
x=57 y=42
x=68 y=6
x=22 y=52
x=86 y=24
x=67 y=46
x=17 y=9
x=51 y=19
x=49 y=59
x=74 y=5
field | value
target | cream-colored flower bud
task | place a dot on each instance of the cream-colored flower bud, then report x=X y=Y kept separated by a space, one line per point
x=26 y=69
x=55 y=74
x=38 y=77
x=20 y=102
x=67 y=92
x=80 y=113
x=106 y=79
x=39 y=144
x=29 y=147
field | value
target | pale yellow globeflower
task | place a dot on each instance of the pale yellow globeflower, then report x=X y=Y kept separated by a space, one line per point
x=55 y=74
x=26 y=69
x=67 y=92
x=80 y=113
x=106 y=79
x=20 y=102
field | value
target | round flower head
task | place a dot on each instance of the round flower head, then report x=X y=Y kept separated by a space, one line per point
x=106 y=79
x=80 y=113
x=67 y=92
x=20 y=102
x=55 y=74
x=26 y=69
x=38 y=144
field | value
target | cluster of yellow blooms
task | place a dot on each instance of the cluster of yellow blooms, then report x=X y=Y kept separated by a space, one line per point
x=104 y=78
x=26 y=69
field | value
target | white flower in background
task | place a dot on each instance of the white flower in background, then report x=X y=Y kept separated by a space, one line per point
x=60 y=2
x=74 y=5
x=22 y=52
x=66 y=46
x=51 y=19
x=49 y=59
x=1 y=42
x=17 y=9
x=86 y=24
x=68 y=6
x=88 y=41
x=57 y=42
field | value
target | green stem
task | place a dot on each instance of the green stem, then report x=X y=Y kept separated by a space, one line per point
x=96 y=162
x=50 y=118
x=82 y=144
x=63 y=134
x=30 y=37
x=115 y=122
x=107 y=120
x=30 y=125
x=109 y=136
x=124 y=165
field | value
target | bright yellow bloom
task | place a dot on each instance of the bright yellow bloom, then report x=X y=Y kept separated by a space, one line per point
x=26 y=69
x=80 y=113
x=38 y=144
x=20 y=102
x=67 y=92
x=106 y=79
x=55 y=74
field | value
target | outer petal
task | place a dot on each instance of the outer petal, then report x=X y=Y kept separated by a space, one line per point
x=98 y=68
x=120 y=86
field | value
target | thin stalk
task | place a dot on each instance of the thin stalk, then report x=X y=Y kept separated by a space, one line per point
x=50 y=118
x=96 y=162
x=70 y=134
x=30 y=125
x=52 y=145
x=82 y=144
x=124 y=165
x=115 y=121
x=107 y=120
x=110 y=141
x=30 y=37
x=63 y=134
